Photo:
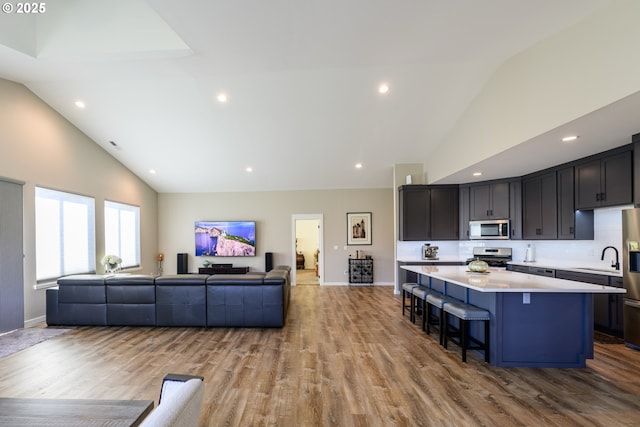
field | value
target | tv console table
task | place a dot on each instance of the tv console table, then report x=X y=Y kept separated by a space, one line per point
x=223 y=269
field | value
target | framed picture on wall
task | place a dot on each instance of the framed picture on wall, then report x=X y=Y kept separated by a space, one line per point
x=359 y=228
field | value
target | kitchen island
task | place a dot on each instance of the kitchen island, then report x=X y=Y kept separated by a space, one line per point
x=536 y=321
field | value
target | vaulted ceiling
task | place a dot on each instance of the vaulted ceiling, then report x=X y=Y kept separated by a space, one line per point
x=301 y=80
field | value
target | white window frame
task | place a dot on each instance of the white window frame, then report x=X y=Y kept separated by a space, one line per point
x=122 y=237
x=65 y=234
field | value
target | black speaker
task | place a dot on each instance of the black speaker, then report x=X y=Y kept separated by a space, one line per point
x=183 y=263
x=268 y=261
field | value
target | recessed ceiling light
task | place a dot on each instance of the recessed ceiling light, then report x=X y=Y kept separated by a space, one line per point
x=80 y=104
x=477 y=174
x=358 y=165
x=383 y=88
x=152 y=171
x=569 y=138
x=222 y=98
x=249 y=169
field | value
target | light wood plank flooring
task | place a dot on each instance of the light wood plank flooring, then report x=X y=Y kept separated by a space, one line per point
x=346 y=357
x=307 y=277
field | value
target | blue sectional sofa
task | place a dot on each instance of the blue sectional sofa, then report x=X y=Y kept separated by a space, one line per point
x=220 y=300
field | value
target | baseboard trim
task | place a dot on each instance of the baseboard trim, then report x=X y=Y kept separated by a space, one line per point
x=34 y=322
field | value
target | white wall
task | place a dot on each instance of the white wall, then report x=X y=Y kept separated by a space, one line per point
x=273 y=212
x=41 y=148
x=567 y=76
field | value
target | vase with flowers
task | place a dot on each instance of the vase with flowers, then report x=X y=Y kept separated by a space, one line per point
x=111 y=263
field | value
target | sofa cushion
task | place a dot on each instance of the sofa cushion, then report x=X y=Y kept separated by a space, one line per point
x=82 y=289
x=181 y=279
x=82 y=314
x=131 y=314
x=236 y=279
x=130 y=279
x=131 y=289
x=245 y=306
x=181 y=300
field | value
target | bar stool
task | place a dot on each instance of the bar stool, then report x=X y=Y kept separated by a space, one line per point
x=420 y=293
x=466 y=313
x=406 y=292
x=437 y=300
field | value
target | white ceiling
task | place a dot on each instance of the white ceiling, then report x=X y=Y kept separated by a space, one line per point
x=301 y=79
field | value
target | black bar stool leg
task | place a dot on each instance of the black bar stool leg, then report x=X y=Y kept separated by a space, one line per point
x=464 y=338
x=486 y=341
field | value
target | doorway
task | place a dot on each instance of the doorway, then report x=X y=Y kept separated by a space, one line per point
x=307 y=249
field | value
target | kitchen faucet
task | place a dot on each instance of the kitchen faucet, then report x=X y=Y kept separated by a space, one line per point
x=615 y=264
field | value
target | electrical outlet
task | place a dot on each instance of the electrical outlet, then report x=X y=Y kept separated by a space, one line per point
x=526 y=298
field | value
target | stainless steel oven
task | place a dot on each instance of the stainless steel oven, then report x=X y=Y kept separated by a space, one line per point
x=490 y=229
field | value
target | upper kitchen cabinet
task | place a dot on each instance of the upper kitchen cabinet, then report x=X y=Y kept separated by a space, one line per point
x=566 y=209
x=572 y=224
x=604 y=181
x=428 y=212
x=539 y=206
x=415 y=206
x=489 y=201
x=515 y=208
x=463 y=206
x=444 y=213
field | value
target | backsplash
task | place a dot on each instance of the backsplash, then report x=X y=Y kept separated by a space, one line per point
x=608 y=232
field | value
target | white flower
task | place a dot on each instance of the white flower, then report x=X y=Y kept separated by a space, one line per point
x=111 y=260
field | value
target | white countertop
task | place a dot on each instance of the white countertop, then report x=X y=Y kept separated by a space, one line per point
x=500 y=280
x=440 y=259
x=577 y=267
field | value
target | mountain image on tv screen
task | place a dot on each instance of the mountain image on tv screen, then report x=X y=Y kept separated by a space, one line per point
x=225 y=238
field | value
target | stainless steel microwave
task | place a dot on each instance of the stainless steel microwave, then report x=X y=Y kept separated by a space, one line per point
x=490 y=229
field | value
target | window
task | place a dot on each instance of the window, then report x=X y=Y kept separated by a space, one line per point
x=65 y=234
x=122 y=232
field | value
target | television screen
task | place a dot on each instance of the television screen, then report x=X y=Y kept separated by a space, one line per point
x=225 y=238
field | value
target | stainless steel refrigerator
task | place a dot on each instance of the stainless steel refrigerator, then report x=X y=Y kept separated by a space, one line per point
x=631 y=276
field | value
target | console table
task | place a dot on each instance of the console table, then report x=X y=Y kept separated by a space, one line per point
x=223 y=269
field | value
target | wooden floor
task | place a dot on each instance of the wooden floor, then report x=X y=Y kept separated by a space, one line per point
x=346 y=357
x=307 y=277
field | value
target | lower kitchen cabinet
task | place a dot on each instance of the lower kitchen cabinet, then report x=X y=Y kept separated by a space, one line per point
x=607 y=308
x=617 y=304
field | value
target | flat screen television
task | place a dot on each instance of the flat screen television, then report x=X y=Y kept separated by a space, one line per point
x=225 y=238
